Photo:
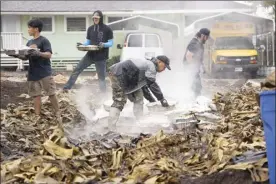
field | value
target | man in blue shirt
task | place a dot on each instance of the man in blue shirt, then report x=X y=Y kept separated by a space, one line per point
x=97 y=34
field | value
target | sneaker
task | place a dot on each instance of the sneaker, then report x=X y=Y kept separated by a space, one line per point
x=65 y=90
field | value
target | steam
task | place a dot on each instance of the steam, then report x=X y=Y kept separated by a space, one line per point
x=175 y=84
x=84 y=106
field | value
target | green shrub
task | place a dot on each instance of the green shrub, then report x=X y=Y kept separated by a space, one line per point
x=113 y=60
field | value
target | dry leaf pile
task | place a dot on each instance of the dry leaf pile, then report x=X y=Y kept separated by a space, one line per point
x=60 y=79
x=162 y=158
x=270 y=82
x=22 y=132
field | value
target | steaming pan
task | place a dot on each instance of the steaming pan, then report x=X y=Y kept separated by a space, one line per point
x=206 y=125
x=187 y=122
x=11 y=52
x=87 y=48
x=22 y=52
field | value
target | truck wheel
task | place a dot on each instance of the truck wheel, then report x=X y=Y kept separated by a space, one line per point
x=253 y=74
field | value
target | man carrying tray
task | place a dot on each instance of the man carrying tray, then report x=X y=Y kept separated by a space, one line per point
x=40 y=71
x=97 y=34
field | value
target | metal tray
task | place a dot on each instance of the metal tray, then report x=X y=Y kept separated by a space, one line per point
x=21 y=52
x=187 y=122
x=88 y=48
x=11 y=52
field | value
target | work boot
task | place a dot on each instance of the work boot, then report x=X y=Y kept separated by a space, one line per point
x=114 y=114
x=65 y=90
x=138 y=110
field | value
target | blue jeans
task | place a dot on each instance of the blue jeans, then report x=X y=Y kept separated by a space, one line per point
x=197 y=86
x=85 y=62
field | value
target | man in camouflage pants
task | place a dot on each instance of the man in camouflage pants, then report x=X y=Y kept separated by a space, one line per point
x=130 y=79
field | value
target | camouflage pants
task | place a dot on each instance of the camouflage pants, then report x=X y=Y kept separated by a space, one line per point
x=120 y=98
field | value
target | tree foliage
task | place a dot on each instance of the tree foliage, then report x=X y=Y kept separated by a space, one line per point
x=265 y=4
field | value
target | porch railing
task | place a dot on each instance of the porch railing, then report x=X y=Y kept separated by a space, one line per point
x=11 y=40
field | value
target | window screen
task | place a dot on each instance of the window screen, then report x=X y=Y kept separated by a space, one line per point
x=47 y=23
x=135 y=41
x=151 y=41
x=76 y=24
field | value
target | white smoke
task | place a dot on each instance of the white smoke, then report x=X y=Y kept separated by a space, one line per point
x=82 y=99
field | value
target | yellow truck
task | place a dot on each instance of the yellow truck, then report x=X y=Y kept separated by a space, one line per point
x=230 y=48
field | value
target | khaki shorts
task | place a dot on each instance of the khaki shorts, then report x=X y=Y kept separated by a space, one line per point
x=47 y=84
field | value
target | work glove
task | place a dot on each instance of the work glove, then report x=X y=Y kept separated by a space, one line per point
x=101 y=45
x=164 y=103
x=33 y=52
x=79 y=44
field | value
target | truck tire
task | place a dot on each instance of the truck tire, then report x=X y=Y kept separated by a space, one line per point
x=253 y=74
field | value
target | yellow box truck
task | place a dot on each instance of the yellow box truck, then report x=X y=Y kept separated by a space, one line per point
x=231 y=49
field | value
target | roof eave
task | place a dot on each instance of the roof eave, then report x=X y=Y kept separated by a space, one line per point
x=136 y=12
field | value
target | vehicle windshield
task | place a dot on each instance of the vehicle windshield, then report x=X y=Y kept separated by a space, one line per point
x=224 y=43
x=135 y=40
x=151 y=41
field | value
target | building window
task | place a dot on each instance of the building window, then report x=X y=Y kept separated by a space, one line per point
x=47 y=23
x=75 y=24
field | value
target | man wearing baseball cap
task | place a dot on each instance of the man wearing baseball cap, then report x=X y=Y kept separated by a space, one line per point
x=193 y=58
x=127 y=80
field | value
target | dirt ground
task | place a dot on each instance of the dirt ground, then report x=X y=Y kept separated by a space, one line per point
x=13 y=84
x=226 y=177
x=10 y=91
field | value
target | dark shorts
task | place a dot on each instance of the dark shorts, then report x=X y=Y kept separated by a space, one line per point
x=47 y=84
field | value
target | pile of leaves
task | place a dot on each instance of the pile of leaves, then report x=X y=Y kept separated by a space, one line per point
x=162 y=158
x=270 y=82
x=22 y=132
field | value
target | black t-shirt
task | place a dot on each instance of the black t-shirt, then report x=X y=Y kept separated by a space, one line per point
x=39 y=67
x=97 y=34
x=197 y=48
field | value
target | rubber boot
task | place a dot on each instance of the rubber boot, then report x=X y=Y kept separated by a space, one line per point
x=114 y=114
x=138 y=110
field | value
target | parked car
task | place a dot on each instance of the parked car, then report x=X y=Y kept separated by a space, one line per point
x=141 y=45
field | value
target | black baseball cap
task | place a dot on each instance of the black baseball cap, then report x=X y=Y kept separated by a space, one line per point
x=166 y=60
x=204 y=31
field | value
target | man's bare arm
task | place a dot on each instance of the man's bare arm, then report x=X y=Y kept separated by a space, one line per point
x=189 y=56
x=46 y=55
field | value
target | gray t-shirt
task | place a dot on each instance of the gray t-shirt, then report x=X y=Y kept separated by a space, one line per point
x=197 y=48
x=134 y=74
